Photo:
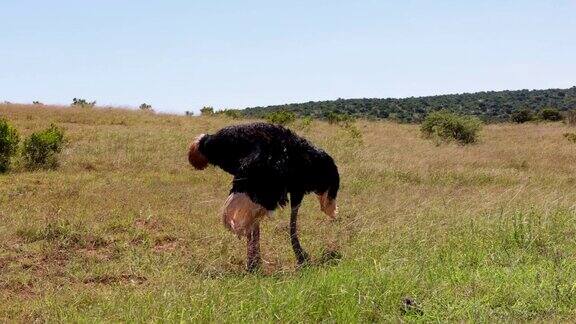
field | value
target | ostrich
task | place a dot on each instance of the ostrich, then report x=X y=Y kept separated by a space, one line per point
x=268 y=162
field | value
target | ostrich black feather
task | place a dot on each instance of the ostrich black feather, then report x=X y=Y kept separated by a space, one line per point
x=269 y=162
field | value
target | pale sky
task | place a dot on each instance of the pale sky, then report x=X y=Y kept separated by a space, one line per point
x=182 y=55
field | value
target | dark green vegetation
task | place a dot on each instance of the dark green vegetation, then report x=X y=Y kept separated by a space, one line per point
x=489 y=106
x=550 y=114
x=522 y=116
x=547 y=114
x=41 y=148
x=446 y=126
x=8 y=144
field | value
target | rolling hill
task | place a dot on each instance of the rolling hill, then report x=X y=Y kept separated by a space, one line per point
x=490 y=106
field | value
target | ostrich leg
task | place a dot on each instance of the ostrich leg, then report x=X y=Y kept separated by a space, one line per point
x=301 y=255
x=253 y=262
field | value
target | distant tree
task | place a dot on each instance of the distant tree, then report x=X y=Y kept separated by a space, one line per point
x=207 y=111
x=550 y=114
x=189 y=113
x=77 y=102
x=521 y=116
x=146 y=107
x=37 y=103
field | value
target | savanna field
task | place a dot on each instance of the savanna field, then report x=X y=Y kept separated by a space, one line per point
x=125 y=230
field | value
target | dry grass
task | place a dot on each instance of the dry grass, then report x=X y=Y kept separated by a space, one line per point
x=125 y=230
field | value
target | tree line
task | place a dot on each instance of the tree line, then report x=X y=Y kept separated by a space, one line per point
x=490 y=106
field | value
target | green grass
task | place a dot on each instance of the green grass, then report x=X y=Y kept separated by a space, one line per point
x=126 y=231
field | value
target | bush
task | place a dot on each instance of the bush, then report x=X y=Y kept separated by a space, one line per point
x=550 y=114
x=8 y=144
x=41 y=148
x=571 y=137
x=207 y=111
x=76 y=102
x=281 y=117
x=522 y=116
x=447 y=126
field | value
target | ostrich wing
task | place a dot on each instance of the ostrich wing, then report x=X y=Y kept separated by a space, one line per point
x=262 y=176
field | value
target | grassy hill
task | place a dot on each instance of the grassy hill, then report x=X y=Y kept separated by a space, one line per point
x=490 y=106
x=126 y=231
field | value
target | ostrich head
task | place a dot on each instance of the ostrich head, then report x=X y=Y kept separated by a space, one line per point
x=328 y=183
x=328 y=205
x=195 y=157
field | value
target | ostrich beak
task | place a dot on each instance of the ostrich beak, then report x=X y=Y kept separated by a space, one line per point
x=328 y=205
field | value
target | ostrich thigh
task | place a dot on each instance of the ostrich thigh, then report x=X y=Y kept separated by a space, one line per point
x=240 y=214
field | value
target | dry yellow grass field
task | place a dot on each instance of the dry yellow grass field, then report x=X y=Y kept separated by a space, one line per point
x=126 y=230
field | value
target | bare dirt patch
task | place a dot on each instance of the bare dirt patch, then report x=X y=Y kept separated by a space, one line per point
x=110 y=279
x=166 y=244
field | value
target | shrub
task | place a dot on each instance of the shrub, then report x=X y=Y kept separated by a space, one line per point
x=306 y=122
x=522 y=116
x=353 y=131
x=447 y=126
x=8 y=144
x=337 y=118
x=571 y=137
x=207 y=111
x=189 y=113
x=37 y=103
x=41 y=148
x=146 y=107
x=76 y=102
x=550 y=114
x=571 y=117
x=281 y=117
x=231 y=113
